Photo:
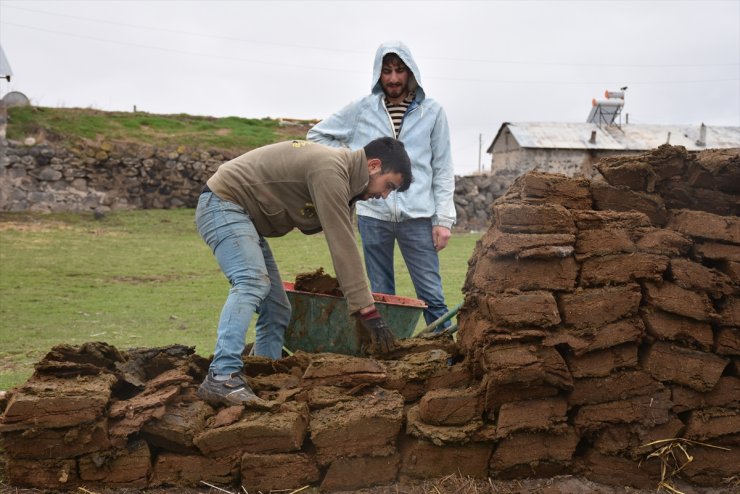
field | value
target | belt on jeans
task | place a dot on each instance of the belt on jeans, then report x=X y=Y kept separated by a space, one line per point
x=205 y=189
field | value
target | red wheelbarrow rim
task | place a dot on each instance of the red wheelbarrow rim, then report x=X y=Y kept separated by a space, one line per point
x=379 y=297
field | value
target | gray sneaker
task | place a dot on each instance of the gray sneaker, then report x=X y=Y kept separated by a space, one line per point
x=233 y=391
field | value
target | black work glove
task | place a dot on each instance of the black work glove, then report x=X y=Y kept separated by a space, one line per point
x=381 y=337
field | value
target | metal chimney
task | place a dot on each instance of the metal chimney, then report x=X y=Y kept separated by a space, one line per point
x=702 y=142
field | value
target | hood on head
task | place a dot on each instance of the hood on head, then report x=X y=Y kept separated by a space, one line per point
x=404 y=54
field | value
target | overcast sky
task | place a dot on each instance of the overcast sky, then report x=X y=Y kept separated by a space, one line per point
x=486 y=62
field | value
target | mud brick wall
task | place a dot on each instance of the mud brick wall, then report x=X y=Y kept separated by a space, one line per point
x=603 y=315
x=599 y=316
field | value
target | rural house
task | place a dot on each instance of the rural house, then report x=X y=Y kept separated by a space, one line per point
x=573 y=148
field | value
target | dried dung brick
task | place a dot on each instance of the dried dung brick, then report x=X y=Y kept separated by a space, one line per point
x=326 y=396
x=450 y=406
x=679 y=194
x=522 y=309
x=498 y=394
x=128 y=467
x=526 y=365
x=632 y=440
x=620 y=385
x=531 y=415
x=648 y=410
x=619 y=471
x=596 y=220
x=712 y=466
x=496 y=275
x=607 y=197
x=409 y=375
x=727 y=341
x=622 y=268
x=634 y=174
x=178 y=426
x=698 y=224
x=594 y=307
x=422 y=459
x=61 y=443
x=89 y=358
x=582 y=341
x=272 y=472
x=726 y=393
x=57 y=402
x=529 y=218
x=501 y=244
x=549 y=188
x=342 y=370
x=258 y=432
x=458 y=375
x=715 y=251
x=355 y=473
x=707 y=424
x=716 y=169
x=729 y=313
x=440 y=434
x=42 y=474
x=358 y=427
x=693 y=276
x=662 y=241
x=526 y=448
x=190 y=470
x=602 y=242
x=670 y=297
x=731 y=269
x=671 y=363
x=601 y=363
x=666 y=326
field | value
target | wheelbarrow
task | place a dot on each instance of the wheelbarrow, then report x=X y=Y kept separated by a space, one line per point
x=321 y=323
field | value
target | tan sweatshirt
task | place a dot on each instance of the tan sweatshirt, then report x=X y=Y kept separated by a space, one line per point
x=304 y=185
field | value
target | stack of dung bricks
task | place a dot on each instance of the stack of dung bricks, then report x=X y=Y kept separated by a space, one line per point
x=603 y=315
x=599 y=316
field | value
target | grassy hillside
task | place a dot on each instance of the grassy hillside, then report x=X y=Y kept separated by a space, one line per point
x=70 y=125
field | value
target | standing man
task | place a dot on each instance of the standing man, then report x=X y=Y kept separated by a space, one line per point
x=420 y=219
x=266 y=193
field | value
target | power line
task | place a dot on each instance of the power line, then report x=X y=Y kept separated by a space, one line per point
x=343 y=50
x=335 y=69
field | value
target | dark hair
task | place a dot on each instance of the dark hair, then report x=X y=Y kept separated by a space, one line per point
x=393 y=158
x=391 y=57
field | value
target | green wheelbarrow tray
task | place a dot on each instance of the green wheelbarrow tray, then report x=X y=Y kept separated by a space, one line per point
x=321 y=323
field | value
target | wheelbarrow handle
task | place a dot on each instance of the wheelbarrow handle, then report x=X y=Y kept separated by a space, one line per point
x=449 y=315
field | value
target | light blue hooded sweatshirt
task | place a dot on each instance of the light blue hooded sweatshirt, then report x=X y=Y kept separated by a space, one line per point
x=425 y=134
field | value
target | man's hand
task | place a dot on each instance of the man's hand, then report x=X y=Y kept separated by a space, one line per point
x=440 y=235
x=380 y=334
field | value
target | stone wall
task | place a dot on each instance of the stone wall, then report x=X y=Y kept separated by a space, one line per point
x=599 y=317
x=114 y=177
x=103 y=178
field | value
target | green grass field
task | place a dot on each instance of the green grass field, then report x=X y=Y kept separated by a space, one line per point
x=71 y=125
x=133 y=279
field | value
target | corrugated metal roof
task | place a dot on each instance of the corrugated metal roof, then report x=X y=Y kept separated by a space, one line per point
x=5 y=70
x=629 y=137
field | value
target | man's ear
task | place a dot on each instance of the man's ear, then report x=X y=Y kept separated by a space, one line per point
x=374 y=164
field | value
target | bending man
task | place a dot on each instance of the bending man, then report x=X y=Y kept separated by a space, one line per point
x=266 y=193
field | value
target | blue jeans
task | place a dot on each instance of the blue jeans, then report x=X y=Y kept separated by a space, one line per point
x=246 y=259
x=417 y=248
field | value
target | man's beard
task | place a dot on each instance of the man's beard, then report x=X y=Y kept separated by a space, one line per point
x=394 y=91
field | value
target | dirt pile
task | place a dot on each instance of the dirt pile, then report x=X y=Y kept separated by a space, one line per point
x=603 y=315
x=599 y=316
